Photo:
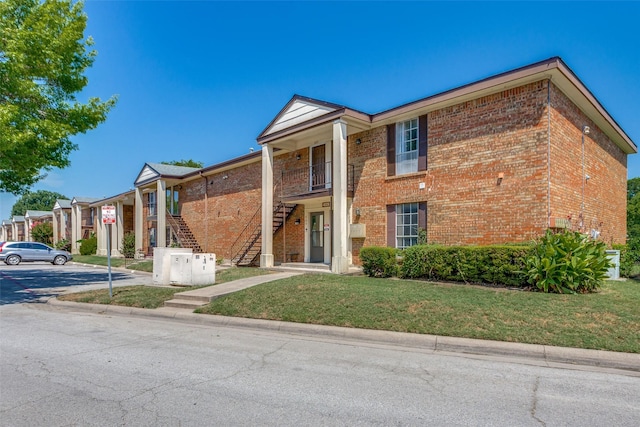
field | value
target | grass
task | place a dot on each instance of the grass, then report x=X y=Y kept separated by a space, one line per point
x=607 y=320
x=143 y=265
x=151 y=296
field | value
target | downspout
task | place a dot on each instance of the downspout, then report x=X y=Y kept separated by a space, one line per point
x=549 y=153
x=206 y=214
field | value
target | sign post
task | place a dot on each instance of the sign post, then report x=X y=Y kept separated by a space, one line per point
x=109 y=218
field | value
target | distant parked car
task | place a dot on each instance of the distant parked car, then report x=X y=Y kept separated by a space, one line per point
x=13 y=253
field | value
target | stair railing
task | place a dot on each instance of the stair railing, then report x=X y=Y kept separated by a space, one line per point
x=177 y=230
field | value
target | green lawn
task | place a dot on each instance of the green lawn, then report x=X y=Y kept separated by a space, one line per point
x=152 y=296
x=607 y=320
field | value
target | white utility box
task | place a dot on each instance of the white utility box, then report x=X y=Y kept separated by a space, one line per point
x=203 y=269
x=162 y=263
x=180 y=269
x=614 y=259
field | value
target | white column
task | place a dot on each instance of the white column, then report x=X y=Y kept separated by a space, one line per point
x=75 y=223
x=339 y=261
x=101 y=234
x=55 y=224
x=161 y=233
x=27 y=229
x=266 y=257
x=63 y=225
x=118 y=230
x=138 y=208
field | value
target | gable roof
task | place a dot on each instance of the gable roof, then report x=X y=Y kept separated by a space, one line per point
x=153 y=171
x=553 y=69
x=17 y=218
x=37 y=214
x=62 y=204
x=83 y=200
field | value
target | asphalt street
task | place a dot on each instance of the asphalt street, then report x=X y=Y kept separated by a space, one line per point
x=61 y=367
x=38 y=281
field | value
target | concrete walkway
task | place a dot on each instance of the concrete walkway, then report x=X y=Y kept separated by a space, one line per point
x=202 y=296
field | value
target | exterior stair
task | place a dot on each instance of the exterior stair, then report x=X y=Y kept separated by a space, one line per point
x=186 y=239
x=250 y=241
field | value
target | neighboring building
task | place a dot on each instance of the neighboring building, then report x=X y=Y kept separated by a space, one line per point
x=61 y=220
x=6 y=231
x=33 y=218
x=83 y=221
x=124 y=204
x=496 y=161
x=17 y=228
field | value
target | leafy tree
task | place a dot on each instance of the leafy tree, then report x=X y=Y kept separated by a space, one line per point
x=40 y=200
x=43 y=57
x=43 y=233
x=188 y=163
x=633 y=219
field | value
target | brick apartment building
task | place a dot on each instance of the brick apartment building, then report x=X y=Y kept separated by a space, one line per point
x=495 y=161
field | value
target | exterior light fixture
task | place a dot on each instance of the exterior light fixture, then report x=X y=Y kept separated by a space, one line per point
x=357 y=211
x=358 y=141
x=298 y=156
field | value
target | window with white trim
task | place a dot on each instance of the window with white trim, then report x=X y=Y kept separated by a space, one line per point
x=406 y=225
x=407 y=146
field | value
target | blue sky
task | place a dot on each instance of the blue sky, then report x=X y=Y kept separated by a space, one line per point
x=200 y=80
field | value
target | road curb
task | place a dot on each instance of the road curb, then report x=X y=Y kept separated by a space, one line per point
x=432 y=343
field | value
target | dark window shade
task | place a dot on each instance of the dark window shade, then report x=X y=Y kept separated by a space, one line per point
x=422 y=143
x=391 y=226
x=391 y=150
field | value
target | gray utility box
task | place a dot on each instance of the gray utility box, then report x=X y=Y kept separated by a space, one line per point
x=162 y=263
x=614 y=259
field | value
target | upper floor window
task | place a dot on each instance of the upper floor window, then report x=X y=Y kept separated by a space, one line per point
x=151 y=201
x=407 y=146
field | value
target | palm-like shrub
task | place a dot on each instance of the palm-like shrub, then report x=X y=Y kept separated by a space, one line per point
x=567 y=262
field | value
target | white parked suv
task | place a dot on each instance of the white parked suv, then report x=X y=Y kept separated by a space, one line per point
x=13 y=253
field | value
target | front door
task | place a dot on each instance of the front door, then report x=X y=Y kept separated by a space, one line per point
x=317 y=237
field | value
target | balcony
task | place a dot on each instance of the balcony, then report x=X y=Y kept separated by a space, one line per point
x=311 y=181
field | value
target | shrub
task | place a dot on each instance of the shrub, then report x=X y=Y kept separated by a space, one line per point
x=64 y=244
x=43 y=233
x=472 y=264
x=567 y=262
x=379 y=261
x=128 y=245
x=89 y=246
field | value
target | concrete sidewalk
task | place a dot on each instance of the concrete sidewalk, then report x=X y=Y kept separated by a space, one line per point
x=202 y=296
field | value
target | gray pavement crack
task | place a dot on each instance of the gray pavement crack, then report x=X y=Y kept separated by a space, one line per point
x=534 y=403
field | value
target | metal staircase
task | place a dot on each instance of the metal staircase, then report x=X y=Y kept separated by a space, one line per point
x=183 y=233
x=247 y=248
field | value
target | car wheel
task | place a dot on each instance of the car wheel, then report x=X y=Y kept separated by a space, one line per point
x=59 y=260
x=12 y=260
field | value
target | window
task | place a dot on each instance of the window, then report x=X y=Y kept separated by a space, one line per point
x=151 y=202
x=407 y=146
x=406 y=225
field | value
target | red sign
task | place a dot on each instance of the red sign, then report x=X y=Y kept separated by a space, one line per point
x=108 y=214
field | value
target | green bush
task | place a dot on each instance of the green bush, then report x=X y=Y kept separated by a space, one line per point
x=128 y=245
x=89 y=246
x=43 y=233
x=64 y=244
x=472 y=264
x=567 y=262
x=379 y=261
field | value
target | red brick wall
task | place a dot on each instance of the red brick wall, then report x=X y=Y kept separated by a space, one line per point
x=469 y=145
x=127 y=219
x=605 y=193
x=230 y=203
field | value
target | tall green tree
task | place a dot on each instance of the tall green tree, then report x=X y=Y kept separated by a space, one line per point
x=40 y=200
x=633 y=214
x=43 y=58
x=188 y=163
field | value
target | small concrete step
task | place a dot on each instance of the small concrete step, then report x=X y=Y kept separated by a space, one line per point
x=190 y=297
x=183 y=303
